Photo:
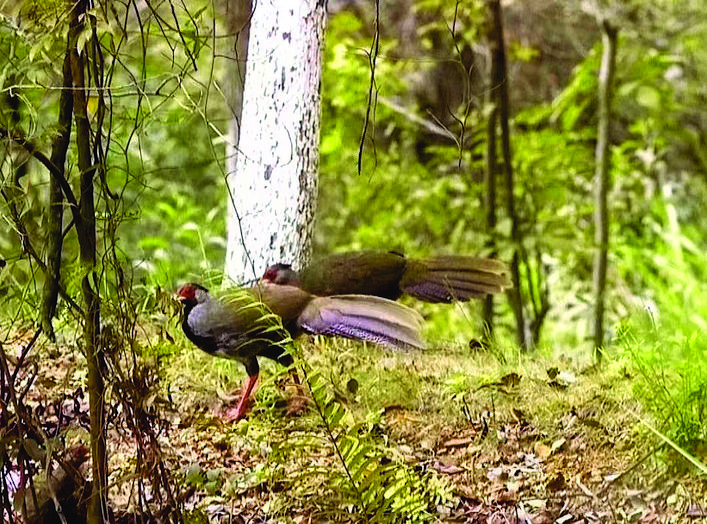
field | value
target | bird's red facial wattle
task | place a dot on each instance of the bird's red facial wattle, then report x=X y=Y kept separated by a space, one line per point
x=187 y=293
x=281 y=274
x=270 y=274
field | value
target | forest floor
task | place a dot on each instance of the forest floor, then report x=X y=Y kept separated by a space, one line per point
x=531 y=441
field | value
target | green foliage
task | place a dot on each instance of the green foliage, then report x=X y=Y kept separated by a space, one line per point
x=522 y=53
x=575 y=106
x=418 y=193
x=652 y=124
x=372 y=477
x=666 y=341
x=159 y=112
x=397 y=202
x=175 y=240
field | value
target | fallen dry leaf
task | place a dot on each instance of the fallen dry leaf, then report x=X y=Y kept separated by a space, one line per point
x=556 y=482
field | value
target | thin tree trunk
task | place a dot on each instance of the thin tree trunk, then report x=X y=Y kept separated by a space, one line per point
x=490 y=201
x=13 y=191
x=86 y=233
x=601 y=181
x=500 y=86
x=53 y=237
x=238 y=16
x=538 y=293
x=274 y=186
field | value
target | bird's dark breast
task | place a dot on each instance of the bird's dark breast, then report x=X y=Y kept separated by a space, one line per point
x=232 y=345
x=362 y=273
x=205 y=343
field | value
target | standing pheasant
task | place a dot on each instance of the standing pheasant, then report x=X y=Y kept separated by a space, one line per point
x=245 y=324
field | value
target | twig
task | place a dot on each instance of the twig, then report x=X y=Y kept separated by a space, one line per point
x=432 y=127
x=46 y=162
x=372 y=57
x=28 y=248
x=629 y=470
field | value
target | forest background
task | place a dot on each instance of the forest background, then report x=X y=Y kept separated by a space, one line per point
x=160 y=217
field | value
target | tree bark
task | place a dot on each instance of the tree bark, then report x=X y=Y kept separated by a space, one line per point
x=54 y=239
x=601 y=181
x=86 y=234
x=238 y=17
x=500 y=87
x=274 y=185
x=490 y=200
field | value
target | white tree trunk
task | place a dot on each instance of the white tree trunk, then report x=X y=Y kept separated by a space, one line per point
x=272 y=174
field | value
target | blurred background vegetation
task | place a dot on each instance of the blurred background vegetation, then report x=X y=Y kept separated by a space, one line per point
x=421 y=189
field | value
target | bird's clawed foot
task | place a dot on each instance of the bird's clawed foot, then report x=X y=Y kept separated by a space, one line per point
x=238 y=412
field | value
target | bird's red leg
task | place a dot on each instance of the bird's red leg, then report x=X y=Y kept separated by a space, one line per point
x=242 y=407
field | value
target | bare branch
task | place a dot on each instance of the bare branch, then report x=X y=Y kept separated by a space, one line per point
x=372 y=92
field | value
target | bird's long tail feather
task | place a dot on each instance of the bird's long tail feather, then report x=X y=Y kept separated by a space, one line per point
x=449 y=278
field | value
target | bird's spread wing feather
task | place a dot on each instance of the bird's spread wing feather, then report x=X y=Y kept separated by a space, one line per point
x=364 y=317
